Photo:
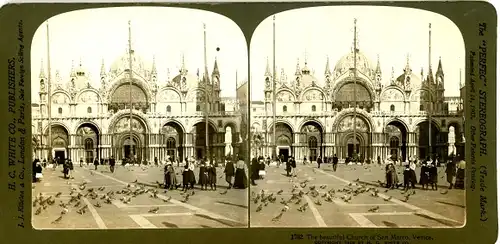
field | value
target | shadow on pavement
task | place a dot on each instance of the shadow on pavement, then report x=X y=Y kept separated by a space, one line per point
x=451 y=204
x=232 y=204
x=222 y=221
x=441 y=221
x=390 y=224
x=169 y=225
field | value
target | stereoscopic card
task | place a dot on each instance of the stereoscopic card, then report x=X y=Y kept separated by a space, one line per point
x=299 y=122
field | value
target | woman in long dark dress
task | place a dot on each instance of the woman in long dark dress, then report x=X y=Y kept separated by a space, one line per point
x=240 y=177
x=459 y=181
x=166 y=175
x=388 y=175
x=203 y=176
x=433 y=176
x=185 y=178
x=424 y=175
x=191 y=177
x=212 y=176
x=254 y=172
x=171 y=176
x=288 y=166
x=451 y=171
x=229 y=172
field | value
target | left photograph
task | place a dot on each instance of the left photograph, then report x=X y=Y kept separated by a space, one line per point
x=138 y=120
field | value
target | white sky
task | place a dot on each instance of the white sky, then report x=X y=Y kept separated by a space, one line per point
x=163 y=32
x=390 y=32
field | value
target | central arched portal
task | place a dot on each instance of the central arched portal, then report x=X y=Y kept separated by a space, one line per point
x=87 y=142
x=311 y=135
x=353 y=135
x=199 y=134
x=129 y=139
x=60 y=142
x=284 y=140
x=427 y=139
x=396 y=137
x=173 y=139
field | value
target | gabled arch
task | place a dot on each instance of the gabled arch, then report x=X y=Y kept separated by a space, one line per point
x=286 y=90
x=62 y=92
x=159 y=96
x=123 y=80
x=122 y=113
x=89 y=89
x=392 y=87
x=311 y=88
x=80 y=123
x=360 y=81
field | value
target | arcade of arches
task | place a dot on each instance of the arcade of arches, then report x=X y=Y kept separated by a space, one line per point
x=122 y=142
x=312 y=140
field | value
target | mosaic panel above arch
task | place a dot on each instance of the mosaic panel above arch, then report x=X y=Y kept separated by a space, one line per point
x=60 y=98
x=169 y=96
x=393 y=95
x=347 y=124
x=123 y=126
x=122 y=94
x=284 y=96
x=88 y=97
x=313 y=95
x=346 y=93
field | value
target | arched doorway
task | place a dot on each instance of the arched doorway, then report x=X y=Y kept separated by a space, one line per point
x=396 y=135
x=60 y=142
x=354 y=137
x=427 y=136
x=199 y=134
x=87 y=142
x=173 y=139
x=129 y=139
x=284 y=140
x=312 y=136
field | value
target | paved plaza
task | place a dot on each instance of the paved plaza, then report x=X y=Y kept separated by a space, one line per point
x=347 y=198
x=130 y=198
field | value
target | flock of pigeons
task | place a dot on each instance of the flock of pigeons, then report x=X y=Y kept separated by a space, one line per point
x=300 y=189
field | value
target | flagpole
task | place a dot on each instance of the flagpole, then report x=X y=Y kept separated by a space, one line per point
x=130 y=85
x=207 y=103
x=49 y=97
x=429 y=98
x=355 y=98
x=274 y=90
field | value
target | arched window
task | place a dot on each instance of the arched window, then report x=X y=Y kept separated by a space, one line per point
x=313 y=142
x=313 y=108
x=284 y=108
x=170 y=142
x=197 y=107
x=392 y=108
x=89 y=144
x=421 y=107
x=169 y=109
x=59 y=110
x=89 y=110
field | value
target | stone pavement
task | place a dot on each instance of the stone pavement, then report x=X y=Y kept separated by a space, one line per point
x=388 y=208
x=204 y=209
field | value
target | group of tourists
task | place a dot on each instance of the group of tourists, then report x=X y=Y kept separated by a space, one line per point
x=455 y=170
x=235 y=175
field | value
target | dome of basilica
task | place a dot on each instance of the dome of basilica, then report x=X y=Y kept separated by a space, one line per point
x=122 y=63
x=347 y=62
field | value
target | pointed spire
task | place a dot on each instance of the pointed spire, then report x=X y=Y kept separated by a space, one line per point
x=327 y=68
x=422 y=73
x=268 y=68
x=103 y=68
x=378 y=70
x=430 y=74
x=283 y=76
x=168 y=75
x=183 y=69
x=42 y=71
x=73 y=71
x=440 y=68
x=392 y=75
x=305 y=58
x=297 y=68
x=216 y=68
x=205 y=73
x=356 y=39
x=407 y=69
x=153 y=68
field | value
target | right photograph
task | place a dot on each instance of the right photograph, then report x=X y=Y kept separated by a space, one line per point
x=357 y=119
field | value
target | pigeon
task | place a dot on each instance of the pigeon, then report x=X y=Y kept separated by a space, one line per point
x=303 y=208
x=57 y=220
x=444 y=192
x=285 y=208
x=97 y=205
x=82 y=210
x=259 y=208
x=38 y=211
x=374 y=209
x=186 y=198
x=77 y=204
x=64 y=211
x=318 y=202
x=154 y=210
x=407 y=197
x=168 y=199
x=58 y=194
x=278 y=217
x=224 y=192
x=279 y=192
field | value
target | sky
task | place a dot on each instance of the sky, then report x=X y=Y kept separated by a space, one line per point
x=164 y=33
x=390 y=32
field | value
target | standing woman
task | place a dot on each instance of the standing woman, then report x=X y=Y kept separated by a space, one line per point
x=172 y=177
x=288 y=166
x=240 y=177
x=203 y=176
x=166 y=176
x=433 y=176
x=229 y=172
x=451 y=171
x=254 y=174
x=191 y=177
x=319 y=161
x=293 y=164
x=212 y=176
x=96 y=162
x=424 y=175
x=413 y=175
x=459 y=181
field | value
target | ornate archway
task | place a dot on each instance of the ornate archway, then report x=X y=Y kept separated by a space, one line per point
x=396 y=139
x=124 y=93
x=129 y=140
x=60 y=141
x=87 y=142
x=173 y=140
x=354 y=136
x=284 y=140
x=311 y=138
x=427 y=137
x=199 y=136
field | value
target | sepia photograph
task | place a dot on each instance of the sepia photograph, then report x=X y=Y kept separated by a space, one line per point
x=139 y=120
x=357 y=119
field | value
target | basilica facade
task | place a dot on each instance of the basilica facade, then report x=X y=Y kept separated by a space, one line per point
x=168 y=115
x=352 y=111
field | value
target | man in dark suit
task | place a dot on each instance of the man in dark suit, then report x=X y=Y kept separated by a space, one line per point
x=112 y=164
x=335 y=161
